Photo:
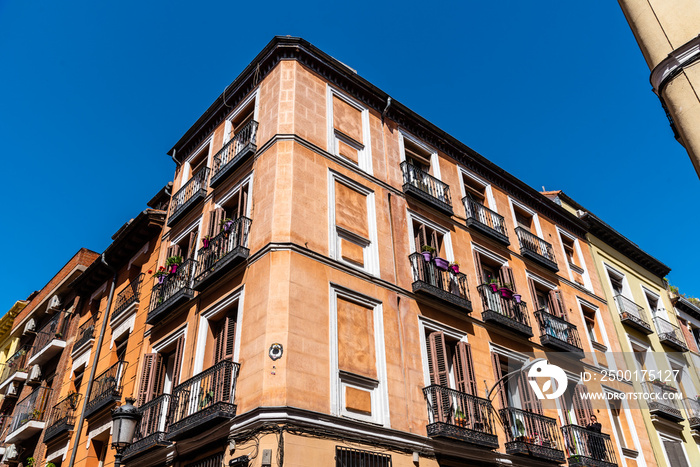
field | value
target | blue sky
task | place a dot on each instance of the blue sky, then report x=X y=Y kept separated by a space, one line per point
x=557 y=93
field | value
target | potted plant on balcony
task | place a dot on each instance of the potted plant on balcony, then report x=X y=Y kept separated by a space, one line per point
x=506 y=291
x=173 y=262
x=205 y=241
x=226 y=224
x=460 y=419
x=441 y=263
x=493 y=283
x=517 y=297
x=428 y=252
x=454 y=267
x=521 y=431
x=161 y=274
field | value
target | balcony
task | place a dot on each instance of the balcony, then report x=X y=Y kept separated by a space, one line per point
x=423 y=186
x=85 y=336
x=50 y=340
x=106 y=389
x=15 y=368
x=128 y=298
x=223 y=253
x=175 y=290
x=633 y=315
x=670 y=335
x=29 y=416
x=559 y=334
x=188 y=196
x=504 y=312
x=486 y=221
x=528 y=433
x=692 y=412
x=152 y=428
x=536 y=249
x=429 y=280
x=663 y=401
x=203 y=401
x=460 y=416
x=588 y=448
x=234 y=153
x=61 y=417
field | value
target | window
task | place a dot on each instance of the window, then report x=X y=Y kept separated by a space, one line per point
x=574 y=259
x=185 y=246
x=655 y=304
x=358 y=365
x=450 y=362
x=514 y=392
x=353 y=224
x=474 y=189
x=78 y=378
x=160 y=371
x=348 y=130
x=231 y=207
x=347 y=457
x=523 y=219
x=619 y=422
x=675 y=453
x=221 y=342
x=425 y=235
x=489 y=268
x=240 y=118
x=591 y=319
x=418 y=155
x=212 y=461
x=120 y=347
x=546 y=299
x=196 y=162
x=616 y=282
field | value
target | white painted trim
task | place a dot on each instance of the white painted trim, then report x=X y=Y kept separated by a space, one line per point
x=232 y=192
x=676 y=439
x=541 y=281
x=126 y=327
x=228 y=129
x=52 y=456
x=426 y=324
x=206 y=145
x=212 y=312
x=625 y=411
x=487 y=188
x=412 y=215
x=535 y=216
x=364 y=157
x=577 y=247
x=434 y=158
x=489 y=254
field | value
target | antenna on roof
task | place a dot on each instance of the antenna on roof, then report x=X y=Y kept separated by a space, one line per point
x=543 y=188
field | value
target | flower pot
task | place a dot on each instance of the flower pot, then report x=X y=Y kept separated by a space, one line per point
x=427 y=256
x=161 y=279
x=506 y=293
x=517 y=297
x=441 y=263
x=173 y=268
x=494 y=287
x=205 y=242
x=228 y=225
x=454 y=268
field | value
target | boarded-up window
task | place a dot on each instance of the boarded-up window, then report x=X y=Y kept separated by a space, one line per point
x=352 y=224
x=356 y=352
x=348 y=125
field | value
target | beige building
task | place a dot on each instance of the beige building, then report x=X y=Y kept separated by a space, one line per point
x=667 y=32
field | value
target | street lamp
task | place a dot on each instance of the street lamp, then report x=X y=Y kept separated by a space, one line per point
x=522 y=369
x=124 y=421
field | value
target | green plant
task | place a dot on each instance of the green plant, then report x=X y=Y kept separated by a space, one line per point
x=50 y=464
x=521 y=428
x=429 y=249
x=454 y=263
x=161 y=272
x=173 y=260
x=30 y=461
x=493 y=280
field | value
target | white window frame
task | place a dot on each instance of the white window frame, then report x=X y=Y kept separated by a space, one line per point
x=229 y=194
x=624 y=411
x=668 y=437
x=228 y=125
x=434 y=159
x=612 y=271
x=364 y=155
x=511 y=355
x=660 y=310
x=447 y=241
x=170 y=340
x=577 y=247
x=370 y=250
x=426 y=325
x=186 y=172
x=487 y=188
x=211 y=313
x=180 y=236
x=603 y=332
x=535 y=217
x=340 y=380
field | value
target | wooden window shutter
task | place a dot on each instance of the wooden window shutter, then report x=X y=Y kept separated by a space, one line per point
x=215 y=218
x=437 y=359
x=556 y=306
x=230 y=337
x=505 y=275
x=502 y=396
x=173 y=250
x=192 y=246
x=177 y=364
x=243 y=204
x=480 y=278
x=421 y=238
x=434 y=242
x=145 y=383
x=157 y=377
x=464 y=368
x=533 y=293
x=582 y=405
x=528 y=399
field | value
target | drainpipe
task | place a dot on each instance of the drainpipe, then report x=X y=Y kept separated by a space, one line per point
x=100 y=339
x=174 y=160
x=386 y=109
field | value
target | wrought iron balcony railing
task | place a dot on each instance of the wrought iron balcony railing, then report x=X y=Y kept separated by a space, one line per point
x=106 y=389
x=224 y=251
x=61 y=417
x=538 y=250
x=152 y=428
x=457 y=415
x=663 y=400
x=427 y=188
x=531 y=433
x=175 y=289
x=31 y=408
x=86 y=332
x=586 y=448
x=443 y=284
x=558 y=333
x=503 y=311
x=55 y=328
x=670 y=334
x=16 y=363
x=128 y=296
x=692 y=412
x=485 y=220
x=203 y=400
x=187 y=197
x=233 y=153
x=633 y=315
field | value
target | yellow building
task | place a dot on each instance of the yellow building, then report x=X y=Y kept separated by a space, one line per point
x=8 y=346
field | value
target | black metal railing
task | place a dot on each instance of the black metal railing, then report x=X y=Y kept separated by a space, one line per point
x=557 y=331
x=227 y=242
x=457 y=414
x=86 y=331
x=17 y=362
x=31 y=408
x=227 y=154
x=106 y=387
x=350 y=457
x=632 y=313
x=585 y=447
x=444 y=283
x=534 y=245
x=670 y=334
x=172 y=284
x=62 y=416
x=692 y=412
x=55 y=329
x=154 y=422
x=213 y=386
x=528 y=432
x=128 y=295
x=426 y=184
x=663 y=399
x=477 y=212
x=195 y=186
x=508 y=308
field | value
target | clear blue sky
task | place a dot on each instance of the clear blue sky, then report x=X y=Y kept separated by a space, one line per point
x=557 y=93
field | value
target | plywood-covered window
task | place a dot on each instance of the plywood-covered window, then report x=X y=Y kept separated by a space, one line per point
x=349 y=129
